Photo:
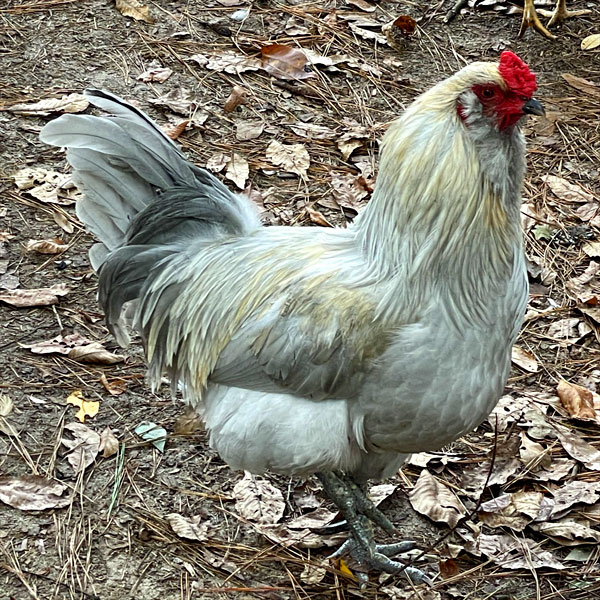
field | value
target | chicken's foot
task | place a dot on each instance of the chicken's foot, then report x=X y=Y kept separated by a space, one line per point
x=360 y=514
x=562 y=13
x=531 y=19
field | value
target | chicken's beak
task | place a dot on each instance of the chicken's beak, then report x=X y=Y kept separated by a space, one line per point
x=533 y=107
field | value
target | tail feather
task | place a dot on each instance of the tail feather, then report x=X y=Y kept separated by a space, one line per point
x=142 y=199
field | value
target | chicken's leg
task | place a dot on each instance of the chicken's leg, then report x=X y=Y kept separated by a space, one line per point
x=561 y=13
x=531 y=19
x=360 y=514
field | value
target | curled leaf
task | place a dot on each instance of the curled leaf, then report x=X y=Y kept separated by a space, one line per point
x=285 y=62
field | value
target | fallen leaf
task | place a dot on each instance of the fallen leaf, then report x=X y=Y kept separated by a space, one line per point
x=73 y=103
x=592 y=249
x=157 y=74
x=378 y=493
x=524 y=359
x=237 y=170
x=514 y=510
x=581 y=84
x=34 y=297
x=574 y=492
x=76 y=347
x=217 y=162
x=248 y=130
x=568 y=532
x=590 y=42
x=293 y=158
x=31 y=492
x=62 y=221
x=50 y=187
x=109 y=444
x=579 y=449
x=189 y=529
x=302 y=538
x=316 y=519
x=317 y=217
x=177 y=101
x=368 y=34
x=54 y=246
x=228 y=62
x=134 y=9
x=258 y=501
x=87 y=408
x=285 y=62
x=83 y=447
x=188 y=422
x=363 y=5
x=432 y=498
x=153 y=433
x=115 y=386
x=577 y=285
x=314 y=573
x=236 y=98
x=578 y=400
x=517 y=553
x=567 y=191
x=6 y=405
x=533 y=454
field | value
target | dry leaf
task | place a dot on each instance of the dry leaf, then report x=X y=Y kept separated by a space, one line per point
x=517 y=553
x=76 y=347
x=84 y=446
x=157 y=74
x=293 y=158
x=579 y=449
x=34 y=297
x=316 y=519
x=314 y=573
x=115 y=386
x=590 y=42
x=577 y=285
x=524 y=359
x=581 y=84
x=592 y=249
x=189 y=529
x=574 y=492
x=62 y=221
x=73 y=103
x=248 y=130
x=6 y=405
x=258 y=501
x=567 y=191
x=177 y=101
x=228 y=62
x=285 y=62
x=235 y=99
x=578 y=400
x=317 y=217
x=432 y=498
x=30 y=492
x=237 y=170
x=188 y=422
x=109 y=444
x=568 y=532
x=54 y=246
x=379 y=493
x=87 y=408
x=217 y=162
x=134 y=9
x=303 y=538
x=515 y=510
x=363 y=5
x=533 y=454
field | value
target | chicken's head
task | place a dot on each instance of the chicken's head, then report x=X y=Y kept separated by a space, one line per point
x=499 y=95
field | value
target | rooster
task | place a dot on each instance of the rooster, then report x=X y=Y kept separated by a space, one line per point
x=335 y=352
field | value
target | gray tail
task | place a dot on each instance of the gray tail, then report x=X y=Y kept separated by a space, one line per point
x=143 y=199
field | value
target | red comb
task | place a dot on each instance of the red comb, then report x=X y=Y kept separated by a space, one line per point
x=516 y=74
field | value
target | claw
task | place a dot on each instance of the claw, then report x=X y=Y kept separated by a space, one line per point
x=531 y=19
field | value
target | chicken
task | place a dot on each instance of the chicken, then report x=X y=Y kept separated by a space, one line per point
x=331 y=351
x=558 y=15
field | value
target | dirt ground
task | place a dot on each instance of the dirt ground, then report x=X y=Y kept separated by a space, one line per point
x=116 y=539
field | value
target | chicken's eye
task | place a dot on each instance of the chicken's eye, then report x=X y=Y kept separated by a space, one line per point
x=488 y=92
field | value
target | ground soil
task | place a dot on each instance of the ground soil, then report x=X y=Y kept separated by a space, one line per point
x=116 y=543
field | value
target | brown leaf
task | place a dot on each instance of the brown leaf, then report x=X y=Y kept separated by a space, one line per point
x=189 y=529
x=134 y=9
x=592 y=249
x=31 y=492
x=524 y=359
x=579 y=449
x=34 y=297
x=73 y=103
x=115 y=386
x=568 y=532
x=567 y=191
x=76 y=347
x=317 y=217
x=237 y=97
x=177 y=129
x=293 y=158
x=315 y=519
x=62 y=221
x=54 y=246
x=157 y=74
x=84 y=446
x=362 y=5
x=47 y=186
x=515 y=510
x=237 y=170
x=517 y=553
x=188 y=422
x=285 y=62
x=303 y=538
x=432 y=498
x=581 y=84
x=574 y=492
x=109 y=444
x=248 y=130
x=258 y=501
x=578 y=400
